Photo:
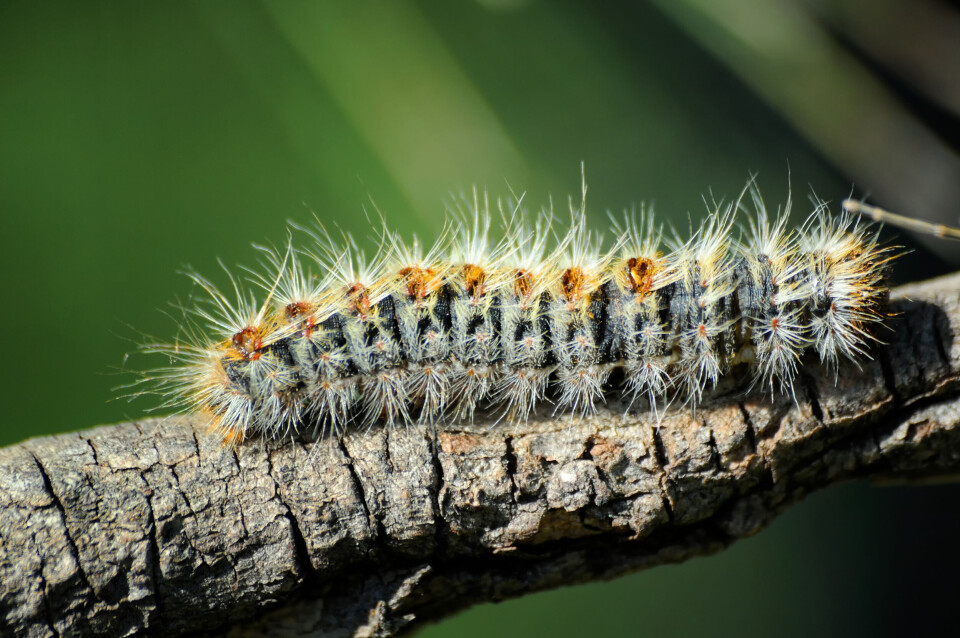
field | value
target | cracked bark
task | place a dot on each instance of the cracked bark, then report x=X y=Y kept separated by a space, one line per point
x=151 y=528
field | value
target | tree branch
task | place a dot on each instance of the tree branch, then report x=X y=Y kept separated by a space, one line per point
x=151 y=527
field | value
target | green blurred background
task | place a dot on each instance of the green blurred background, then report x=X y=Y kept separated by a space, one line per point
x=138 y=138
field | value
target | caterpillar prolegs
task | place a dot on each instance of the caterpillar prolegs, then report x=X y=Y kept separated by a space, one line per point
x=532 y=315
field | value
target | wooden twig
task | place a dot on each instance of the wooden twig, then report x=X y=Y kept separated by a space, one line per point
x=152 y=528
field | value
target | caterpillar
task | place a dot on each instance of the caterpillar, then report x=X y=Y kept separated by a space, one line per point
x=540 y=315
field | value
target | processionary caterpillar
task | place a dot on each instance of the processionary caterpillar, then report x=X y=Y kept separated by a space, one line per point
x=341 y=339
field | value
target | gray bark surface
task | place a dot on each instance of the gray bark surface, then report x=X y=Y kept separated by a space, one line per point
x=152 y=528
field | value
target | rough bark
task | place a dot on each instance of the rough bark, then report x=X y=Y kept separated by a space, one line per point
x=152 y=528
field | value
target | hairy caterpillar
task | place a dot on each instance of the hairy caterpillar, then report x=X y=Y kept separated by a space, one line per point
x=412 y=334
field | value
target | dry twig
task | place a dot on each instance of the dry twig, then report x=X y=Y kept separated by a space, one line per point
x=150 y=527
